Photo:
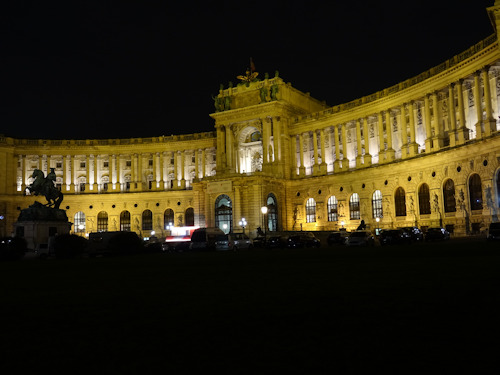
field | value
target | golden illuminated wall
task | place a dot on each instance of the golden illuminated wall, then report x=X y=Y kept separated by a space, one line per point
x=423 y=152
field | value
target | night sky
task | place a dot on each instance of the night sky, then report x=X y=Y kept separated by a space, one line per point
x=97 y=69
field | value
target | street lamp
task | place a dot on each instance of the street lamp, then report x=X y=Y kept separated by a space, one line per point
x=243 y=224
x=377 y=219
x=264 y=212
x=342 y=223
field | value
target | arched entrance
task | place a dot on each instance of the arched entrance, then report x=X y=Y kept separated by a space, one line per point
x=224 y=213
x=272 y=213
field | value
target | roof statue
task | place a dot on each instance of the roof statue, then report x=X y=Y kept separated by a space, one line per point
x=250 y=74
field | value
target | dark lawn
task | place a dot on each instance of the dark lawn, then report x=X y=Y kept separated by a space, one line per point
x=429 y=308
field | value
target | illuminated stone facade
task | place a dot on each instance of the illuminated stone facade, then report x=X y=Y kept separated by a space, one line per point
x=424 y=152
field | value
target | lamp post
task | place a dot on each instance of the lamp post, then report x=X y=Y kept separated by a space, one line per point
x=264 y=212
x=243 y=224
x=377 y=219
x=342 y=223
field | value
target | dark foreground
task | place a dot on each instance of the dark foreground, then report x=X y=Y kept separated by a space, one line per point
x=410 y=310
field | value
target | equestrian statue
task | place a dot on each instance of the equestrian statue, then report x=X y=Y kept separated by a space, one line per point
x=45 y=186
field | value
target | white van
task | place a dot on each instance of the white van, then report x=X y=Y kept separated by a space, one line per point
x=204 y=238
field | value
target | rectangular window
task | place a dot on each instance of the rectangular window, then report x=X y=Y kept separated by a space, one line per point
x=105 y=164
x=150 y=162
x=128 y=163
x=82 y=165
x=59 y=165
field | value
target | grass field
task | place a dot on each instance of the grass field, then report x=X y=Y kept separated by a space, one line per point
x=428 y=308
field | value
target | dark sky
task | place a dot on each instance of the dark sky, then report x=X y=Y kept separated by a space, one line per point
x=98 y=69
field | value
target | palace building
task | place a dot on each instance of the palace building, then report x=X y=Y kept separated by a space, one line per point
x=424 y=152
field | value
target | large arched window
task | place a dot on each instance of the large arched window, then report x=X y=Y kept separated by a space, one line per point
x=189 y=217
x=272 y=213
x=147 y=220
x=168 y=218
x=354 y=211
x=102 y=221
x=400 y=202
x=424 y=200
x=224 y=213
x=125 y=221
x=377 y=204
x=449 y=196
x=79 y=222
x=311 y=210
x=475 y=192
x=332 y=207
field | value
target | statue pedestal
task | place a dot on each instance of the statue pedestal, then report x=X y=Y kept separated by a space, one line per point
x=38 y=222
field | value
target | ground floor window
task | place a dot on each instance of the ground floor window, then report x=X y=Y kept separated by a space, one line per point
x=311 y=211
x=400 y=202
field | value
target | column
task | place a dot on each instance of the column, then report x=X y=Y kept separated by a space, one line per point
x=302 y=169
x=413 y=146
x=133 y=181
x=163 y=170
x=345 y=161
x=229 y=148
x=336 y=163
x=381 y=148
x=64 y=186
x=477 y=104
x=367 y=158
x=87 y=173
x=176 y=174
x=221 y=146
x=490 y=125
x=203 y=168
x=390 y=154
x=24 y=172
x=156 y=174
x=277 y=138
x=196 y=161
x=452 y=115
x=404 y=132
x=438 y=141
x=96 y=165
x=463 y=131
x=359 y=155
x=119 y=181
x=427 y=119
x=183 y=172
x=322 y=166
x=138 y=176
x=315 y=149
x=265 y=142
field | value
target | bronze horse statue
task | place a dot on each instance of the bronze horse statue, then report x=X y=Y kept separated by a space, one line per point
x=45 y=186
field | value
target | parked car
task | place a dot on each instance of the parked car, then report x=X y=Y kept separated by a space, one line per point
x=233 y=241
x=493 y=232
x=276 y=242
x=337 y=238
x=304 y=239
x=259 y=241
x=414 y=233
x=437 y=234
x=360 y=238
x=204 y=238
x=393 y=236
